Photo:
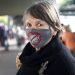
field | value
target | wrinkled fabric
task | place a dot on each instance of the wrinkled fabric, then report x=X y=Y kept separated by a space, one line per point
x=60 y=61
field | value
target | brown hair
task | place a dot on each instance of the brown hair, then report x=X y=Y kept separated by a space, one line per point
x=45 y=11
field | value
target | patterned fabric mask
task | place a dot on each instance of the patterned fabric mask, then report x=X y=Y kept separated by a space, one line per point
x=39 y=37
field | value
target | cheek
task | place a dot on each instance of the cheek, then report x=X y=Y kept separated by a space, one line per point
x=44 y=27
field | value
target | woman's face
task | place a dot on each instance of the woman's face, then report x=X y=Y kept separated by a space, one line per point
x=38 y=31
x=34 y=23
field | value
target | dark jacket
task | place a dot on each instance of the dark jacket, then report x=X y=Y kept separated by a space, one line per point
x=52 y=59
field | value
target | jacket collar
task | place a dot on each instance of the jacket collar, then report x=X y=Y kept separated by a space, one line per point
x=31 y=57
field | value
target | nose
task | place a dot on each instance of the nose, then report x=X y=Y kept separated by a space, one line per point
x=34 y=27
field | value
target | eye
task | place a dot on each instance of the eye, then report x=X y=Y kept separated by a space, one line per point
x=39 y=25
x=28 y=25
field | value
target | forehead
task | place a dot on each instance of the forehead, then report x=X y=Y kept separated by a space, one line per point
x=30 y=18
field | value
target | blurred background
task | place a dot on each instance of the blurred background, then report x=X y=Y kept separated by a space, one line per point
x=12 y=33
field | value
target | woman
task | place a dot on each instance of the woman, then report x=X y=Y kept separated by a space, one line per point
x=44 y=54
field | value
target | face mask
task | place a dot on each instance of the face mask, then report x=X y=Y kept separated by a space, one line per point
x=39 y=37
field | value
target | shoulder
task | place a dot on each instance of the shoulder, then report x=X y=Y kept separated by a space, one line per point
x=28 y=50
x=61 y=64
